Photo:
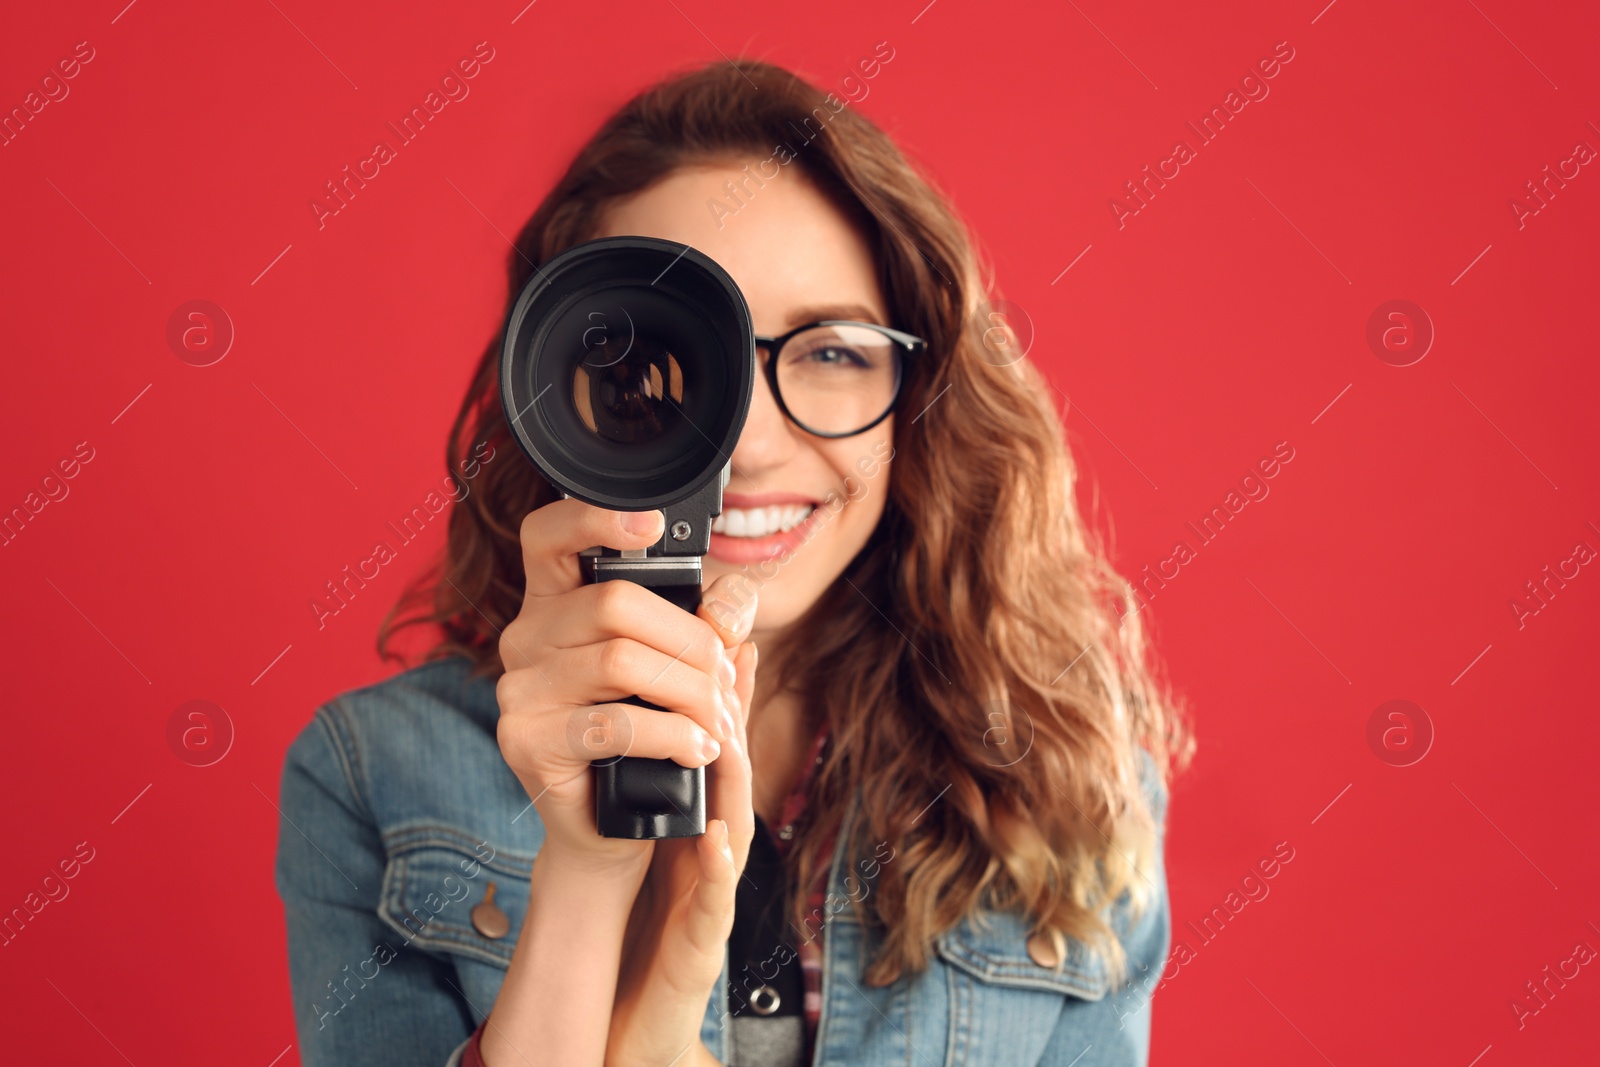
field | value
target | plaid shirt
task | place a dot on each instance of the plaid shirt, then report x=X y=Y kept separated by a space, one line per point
x=810 y=950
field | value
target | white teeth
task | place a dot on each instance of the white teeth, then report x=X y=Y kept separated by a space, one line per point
x=760 y=522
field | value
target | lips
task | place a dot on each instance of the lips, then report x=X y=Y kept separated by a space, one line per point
x=762 y=500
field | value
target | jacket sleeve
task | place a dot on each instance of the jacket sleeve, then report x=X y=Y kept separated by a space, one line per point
x=1117 y=1027
x=362 y=993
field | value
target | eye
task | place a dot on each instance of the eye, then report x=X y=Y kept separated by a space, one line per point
x=841 y=349
x=838 y=355
x=830 y=353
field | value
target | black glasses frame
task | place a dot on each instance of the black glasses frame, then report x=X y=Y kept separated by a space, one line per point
x=908 y=345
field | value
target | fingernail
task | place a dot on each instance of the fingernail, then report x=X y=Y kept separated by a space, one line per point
x=726 y=722
x=730 y=699
x=722 y=611
x=725 y=670
x=709 y=747
x=639 y=522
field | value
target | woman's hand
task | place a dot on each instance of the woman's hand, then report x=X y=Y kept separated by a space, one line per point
x=678 y=932
x=574 y=648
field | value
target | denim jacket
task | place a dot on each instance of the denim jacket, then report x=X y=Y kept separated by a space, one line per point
x=399 y=814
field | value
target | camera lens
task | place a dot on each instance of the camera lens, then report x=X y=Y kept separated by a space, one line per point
x=627 y=371
x=627 y=385
x=631 y=397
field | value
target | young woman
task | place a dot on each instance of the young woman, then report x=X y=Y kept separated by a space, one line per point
x=936 y=748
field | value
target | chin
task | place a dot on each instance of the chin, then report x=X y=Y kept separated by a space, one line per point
x=779 y=609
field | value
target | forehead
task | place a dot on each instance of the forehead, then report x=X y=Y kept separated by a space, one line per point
x=786 y=245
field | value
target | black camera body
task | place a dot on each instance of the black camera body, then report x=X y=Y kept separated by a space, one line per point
x=627 y=368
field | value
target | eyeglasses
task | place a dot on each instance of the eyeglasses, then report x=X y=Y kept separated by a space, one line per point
x=837 y=378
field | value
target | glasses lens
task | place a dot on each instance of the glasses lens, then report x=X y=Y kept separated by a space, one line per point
x=838 y=379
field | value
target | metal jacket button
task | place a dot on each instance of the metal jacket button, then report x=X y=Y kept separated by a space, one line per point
x=1042 y=951
x=488 y=919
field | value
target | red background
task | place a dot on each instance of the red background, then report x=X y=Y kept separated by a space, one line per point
x=1226 y=316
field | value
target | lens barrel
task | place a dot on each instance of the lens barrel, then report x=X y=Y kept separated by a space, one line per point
x=627 y=369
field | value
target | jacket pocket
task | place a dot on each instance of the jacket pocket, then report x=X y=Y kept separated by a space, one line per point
x=994 y=948
x=1004 y=1006
x=436 y=875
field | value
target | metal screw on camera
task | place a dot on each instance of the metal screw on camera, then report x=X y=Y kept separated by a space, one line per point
x=681 y=530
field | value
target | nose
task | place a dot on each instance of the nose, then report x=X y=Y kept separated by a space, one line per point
x=768 y=440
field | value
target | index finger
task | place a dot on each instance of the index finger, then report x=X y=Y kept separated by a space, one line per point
x=552 y=537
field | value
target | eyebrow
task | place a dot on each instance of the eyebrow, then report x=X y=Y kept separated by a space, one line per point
x=858 y=312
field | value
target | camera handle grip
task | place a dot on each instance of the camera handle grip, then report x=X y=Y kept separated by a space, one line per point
x=635 y=796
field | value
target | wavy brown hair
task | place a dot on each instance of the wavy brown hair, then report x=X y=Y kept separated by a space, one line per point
x=981 y=620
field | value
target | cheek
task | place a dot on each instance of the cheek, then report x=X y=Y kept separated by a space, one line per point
x=862 y=491
x=865 y=471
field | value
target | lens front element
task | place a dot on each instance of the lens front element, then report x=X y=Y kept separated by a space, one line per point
x=631 y=397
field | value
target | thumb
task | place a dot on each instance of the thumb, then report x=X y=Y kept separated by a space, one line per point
x=710 y=917
x=729 y=605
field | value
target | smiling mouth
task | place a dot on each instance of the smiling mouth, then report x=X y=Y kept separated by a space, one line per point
x=761 y=522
